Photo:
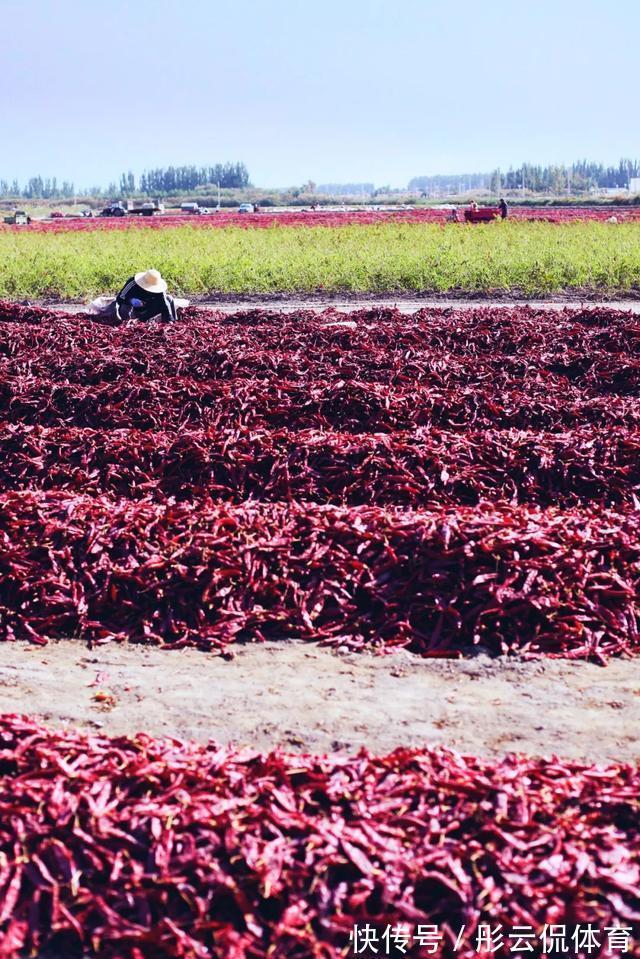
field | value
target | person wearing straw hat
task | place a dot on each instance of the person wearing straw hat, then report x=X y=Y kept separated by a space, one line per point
x=143 y=297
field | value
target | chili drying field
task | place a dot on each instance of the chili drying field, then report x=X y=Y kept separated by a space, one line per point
x=381 y=503
x=581 y=257
x=331 y=218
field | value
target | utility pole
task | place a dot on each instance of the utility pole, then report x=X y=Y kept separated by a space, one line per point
x=218 y=185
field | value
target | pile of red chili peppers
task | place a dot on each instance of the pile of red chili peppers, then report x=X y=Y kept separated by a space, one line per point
x=446 y=482
x=134 y=847
x=508 y=579
x=442 y=481
x=419 y=468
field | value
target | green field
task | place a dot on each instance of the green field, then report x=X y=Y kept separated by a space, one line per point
x=534 y=258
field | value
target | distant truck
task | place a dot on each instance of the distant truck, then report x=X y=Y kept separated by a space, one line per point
x=193 y=209
x=144 y=207
x=133 y=208
x=19 y=218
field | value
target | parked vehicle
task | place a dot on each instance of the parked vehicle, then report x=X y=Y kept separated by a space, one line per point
x=18 y=218
x=114 y=209
x=482 y=214
x=246 y=208
x=192 y=208
x=56 y=215
x=145 y=207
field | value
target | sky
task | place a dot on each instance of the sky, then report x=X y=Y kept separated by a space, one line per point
x=338 y=91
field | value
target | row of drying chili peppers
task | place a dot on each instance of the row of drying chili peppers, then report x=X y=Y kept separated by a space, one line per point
x=380 y=332
x=593 y=372
x=424 y=467
x=135 y=848
x=518 y=369
x=439 y=582
x=345 y=405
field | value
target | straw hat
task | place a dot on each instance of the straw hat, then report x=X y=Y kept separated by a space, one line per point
x=151 y=281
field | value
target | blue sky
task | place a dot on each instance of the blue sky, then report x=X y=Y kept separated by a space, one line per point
x=342 y=90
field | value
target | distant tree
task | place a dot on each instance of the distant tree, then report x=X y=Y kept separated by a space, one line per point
x=34 y=189
x=127 y=184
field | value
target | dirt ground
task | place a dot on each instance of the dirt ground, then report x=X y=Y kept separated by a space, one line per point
x=287 y=303
x=312 y=699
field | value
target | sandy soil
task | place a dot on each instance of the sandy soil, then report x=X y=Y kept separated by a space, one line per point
x=308 y=698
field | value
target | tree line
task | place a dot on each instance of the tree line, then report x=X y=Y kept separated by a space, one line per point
x=181 y=178
x=158 y=182
x=580 y=177
x=38 y=188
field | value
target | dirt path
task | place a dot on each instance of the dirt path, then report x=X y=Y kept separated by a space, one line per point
x=307 y=698
x=405 y=304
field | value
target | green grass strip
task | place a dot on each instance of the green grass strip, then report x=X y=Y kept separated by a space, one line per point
x=535 y=258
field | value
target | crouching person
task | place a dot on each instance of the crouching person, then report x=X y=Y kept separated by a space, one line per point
x=143 y=297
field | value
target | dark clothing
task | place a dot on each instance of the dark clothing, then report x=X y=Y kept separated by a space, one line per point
x=504 y=209
x=147 y=306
